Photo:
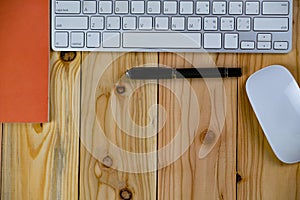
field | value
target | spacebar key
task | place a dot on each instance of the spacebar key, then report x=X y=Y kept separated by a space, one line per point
x=165 y=40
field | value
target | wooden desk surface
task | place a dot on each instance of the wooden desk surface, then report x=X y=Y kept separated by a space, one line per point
x=95 y=113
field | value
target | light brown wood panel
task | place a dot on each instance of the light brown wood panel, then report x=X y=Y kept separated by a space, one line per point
x=40 y=161
x=263 y=176
x=115 y=144
x=207 y=168
x=54 y=161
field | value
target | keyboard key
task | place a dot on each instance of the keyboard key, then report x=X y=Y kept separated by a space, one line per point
x=194 y=23
x=263 y=45
x=186 y=7
x=170 y=7
x=111 y=39
x=113 y=23
x=219 y=8
x=161 y=40
x=210 y=23
x=227 y=23
x=121 y=7
x=67 y=7
x=212 y=41
x=129 y=23
x=231 y=41
x=161 y=23
x=61 y=39
x=77 y=39
x=281 y=45
x=138 y=7
x=145 y=23
x=252 y=8
x=89 y=7
x=236 y=7
x=243 y=24
x=274 y=8
x=264 y=37
x=177 y=23
x=93 y=39
x=105 y=7
x=97 y=23
x=153 y=7
x=271 y=24
x=247 y=45
x=202 y=7
x=69 y=23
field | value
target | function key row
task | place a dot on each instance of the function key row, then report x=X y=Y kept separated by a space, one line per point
x=173 y=7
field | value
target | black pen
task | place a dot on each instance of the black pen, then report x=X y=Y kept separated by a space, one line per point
x=173 y=73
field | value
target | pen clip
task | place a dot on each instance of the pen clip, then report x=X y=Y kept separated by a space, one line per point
x=226 y=72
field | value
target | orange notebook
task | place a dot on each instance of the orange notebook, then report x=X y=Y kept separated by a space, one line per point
x=24 y=60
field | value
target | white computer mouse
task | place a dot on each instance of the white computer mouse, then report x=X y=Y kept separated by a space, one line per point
x=275 y=97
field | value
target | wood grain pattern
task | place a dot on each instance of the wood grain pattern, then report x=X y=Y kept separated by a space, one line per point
x=113 y=110
x=213 y=176
x=40 y=161
x=263 y=176
x=68 y=159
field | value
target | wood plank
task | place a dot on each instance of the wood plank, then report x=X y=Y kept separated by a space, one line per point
x=40 y=161
x=207 y=169
x=115 y=158
x=263 y=176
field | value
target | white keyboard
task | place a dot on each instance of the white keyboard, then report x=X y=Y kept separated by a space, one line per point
x=233 y=26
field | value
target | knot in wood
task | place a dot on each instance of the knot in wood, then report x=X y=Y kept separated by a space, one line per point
x=68 y=56
x=238 y=178
x=107 y=161
x=120 y=89
x=207 y=137
x=38 y=128
x=126 y=194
